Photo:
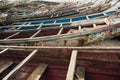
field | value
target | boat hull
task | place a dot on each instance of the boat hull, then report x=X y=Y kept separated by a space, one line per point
x=69 y=39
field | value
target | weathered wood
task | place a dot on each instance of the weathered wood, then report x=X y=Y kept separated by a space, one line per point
x=4 y=50
x=80 y=73
x=77 y=48
x=35 y=34
x=20 y=65
x=37 y=73
x=60 y=31
x=5 y=66
x=11 y=35
x=72 y=65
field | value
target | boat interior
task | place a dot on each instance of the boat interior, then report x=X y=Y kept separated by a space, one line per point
x=50 y=31
x=48 y=63
x=51 y=24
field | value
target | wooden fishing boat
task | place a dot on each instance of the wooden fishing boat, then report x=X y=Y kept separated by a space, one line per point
x=59 y=63
x=43 y=24
x=25 y=10
x=75 y=11
x=78 y=34
x=79 y=10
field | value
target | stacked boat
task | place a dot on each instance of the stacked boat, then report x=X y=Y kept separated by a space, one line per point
x=48 y=47
x=62 y=32
x=45 y=11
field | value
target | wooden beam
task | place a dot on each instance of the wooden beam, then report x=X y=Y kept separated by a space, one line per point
x=4 y=50
x=72 y=65
x=20 y=65
x=11 y=35
x=5 y=66
x=37 y=73
x=39 y=26
x=35 y=34
x=80 y=73
x=60 y=31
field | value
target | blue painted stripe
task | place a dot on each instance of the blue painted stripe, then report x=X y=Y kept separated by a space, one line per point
x=79 y=18
x=110 y=12
x=28 y=28
x=96 y=15
x=49 y=22
x=4 y=28
x=36 y=22
x=68 y=19
x=62 y=20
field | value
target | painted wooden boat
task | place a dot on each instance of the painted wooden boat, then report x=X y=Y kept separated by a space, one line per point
x=59 y=63
x=78 y=34
x=26 y=10
x=44 y=24
x=79 y=10
x=82 y=11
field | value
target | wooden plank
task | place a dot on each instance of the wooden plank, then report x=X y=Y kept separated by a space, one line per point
x=80 y=73
x=5 y=66
x=60 y=31
x=1 y=52
x=35 y=34
x=72 y=65
x=20 y=65
x=37 y=73
x=12 y=35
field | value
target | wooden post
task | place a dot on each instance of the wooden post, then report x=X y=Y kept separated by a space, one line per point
x=20 y=65
x=72 y=65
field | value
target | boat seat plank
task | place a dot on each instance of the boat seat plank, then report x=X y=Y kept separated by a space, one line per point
x=5 y=65
x=37 y=73
x=80 y=73
x=72 y=65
